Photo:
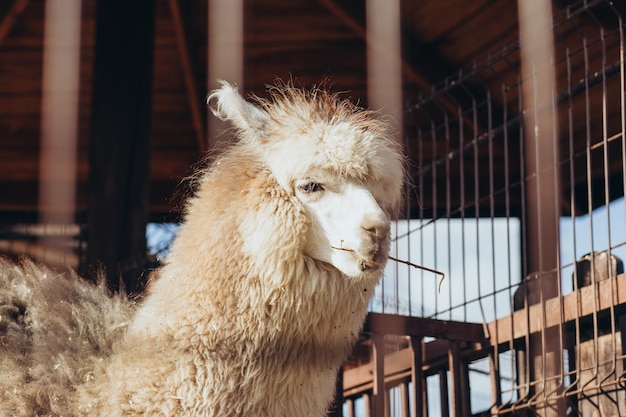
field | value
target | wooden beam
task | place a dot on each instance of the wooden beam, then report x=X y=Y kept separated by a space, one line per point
x=423 y=327
x=398 y=366
x=189 y=75
x=601 y=296
x=120 y=139
x=9 y=19
x=609 y=293
x=407 y=70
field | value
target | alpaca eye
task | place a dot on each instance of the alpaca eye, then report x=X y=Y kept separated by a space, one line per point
x=311 y=187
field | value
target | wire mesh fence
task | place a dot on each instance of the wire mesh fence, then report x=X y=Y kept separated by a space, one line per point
x=552 y=305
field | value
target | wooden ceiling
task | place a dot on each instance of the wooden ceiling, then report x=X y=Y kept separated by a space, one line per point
x=304 y=40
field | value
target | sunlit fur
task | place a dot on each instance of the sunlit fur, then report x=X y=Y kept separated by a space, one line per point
x=261 y=298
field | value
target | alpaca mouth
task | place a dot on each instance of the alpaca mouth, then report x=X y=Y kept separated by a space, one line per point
x=371 y=261
x=365 y=265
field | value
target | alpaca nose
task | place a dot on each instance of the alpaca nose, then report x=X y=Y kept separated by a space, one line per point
x=375 y=224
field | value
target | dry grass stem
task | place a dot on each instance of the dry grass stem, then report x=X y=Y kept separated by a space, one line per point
x=434 y=271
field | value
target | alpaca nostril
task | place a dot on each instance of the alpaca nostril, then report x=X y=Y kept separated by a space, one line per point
x=375 y=225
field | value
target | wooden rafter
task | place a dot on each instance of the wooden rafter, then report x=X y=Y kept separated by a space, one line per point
x=407 y=70
x=189 y=75
x=7 y=23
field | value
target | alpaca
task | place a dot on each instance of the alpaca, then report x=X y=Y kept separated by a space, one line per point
x=261 y=297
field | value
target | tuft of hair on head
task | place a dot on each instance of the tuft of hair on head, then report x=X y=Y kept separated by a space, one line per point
x=227 y=104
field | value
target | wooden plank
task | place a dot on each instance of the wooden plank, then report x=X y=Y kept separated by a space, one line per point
x=189 y=75
x=17 y=8
x=423 y=327
x=166 y=200
x=409 y=72
x=359 y=379
x=398 y=365
x=601 y=296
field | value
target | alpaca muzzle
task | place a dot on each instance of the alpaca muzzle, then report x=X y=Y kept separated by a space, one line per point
x=370 y=255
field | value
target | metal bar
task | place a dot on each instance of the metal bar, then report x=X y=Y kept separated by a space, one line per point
x=494 y=378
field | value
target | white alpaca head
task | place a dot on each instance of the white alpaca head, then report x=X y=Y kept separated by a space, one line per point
x=340 y=162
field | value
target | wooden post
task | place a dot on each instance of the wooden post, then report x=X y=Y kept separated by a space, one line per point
x=120 y=139
x=458 y=378
x=542 y=193
x=225 y=54
x=384 y=58
x=417 y=376
x=443 y=393
x=378 y=353
x=59 y=124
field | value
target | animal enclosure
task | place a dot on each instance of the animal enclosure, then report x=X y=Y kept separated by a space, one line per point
x=531 y=317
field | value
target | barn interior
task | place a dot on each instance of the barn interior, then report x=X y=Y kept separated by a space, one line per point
x=513 y=119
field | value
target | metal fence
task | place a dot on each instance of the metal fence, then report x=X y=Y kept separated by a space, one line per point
x=540 y=274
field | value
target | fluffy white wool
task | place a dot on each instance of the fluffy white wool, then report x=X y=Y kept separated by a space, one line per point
x=261 y=299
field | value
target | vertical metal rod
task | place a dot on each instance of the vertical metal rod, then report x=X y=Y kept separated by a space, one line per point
x=477 y=182
x=462 y=205
x=496 y=390
x=420 y=196
x=622 y=95
x=494 y=377
x=448 y=254
x=608 y=342
x=435 y=204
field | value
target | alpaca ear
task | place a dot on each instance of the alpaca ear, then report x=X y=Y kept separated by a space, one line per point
x=227 y=104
